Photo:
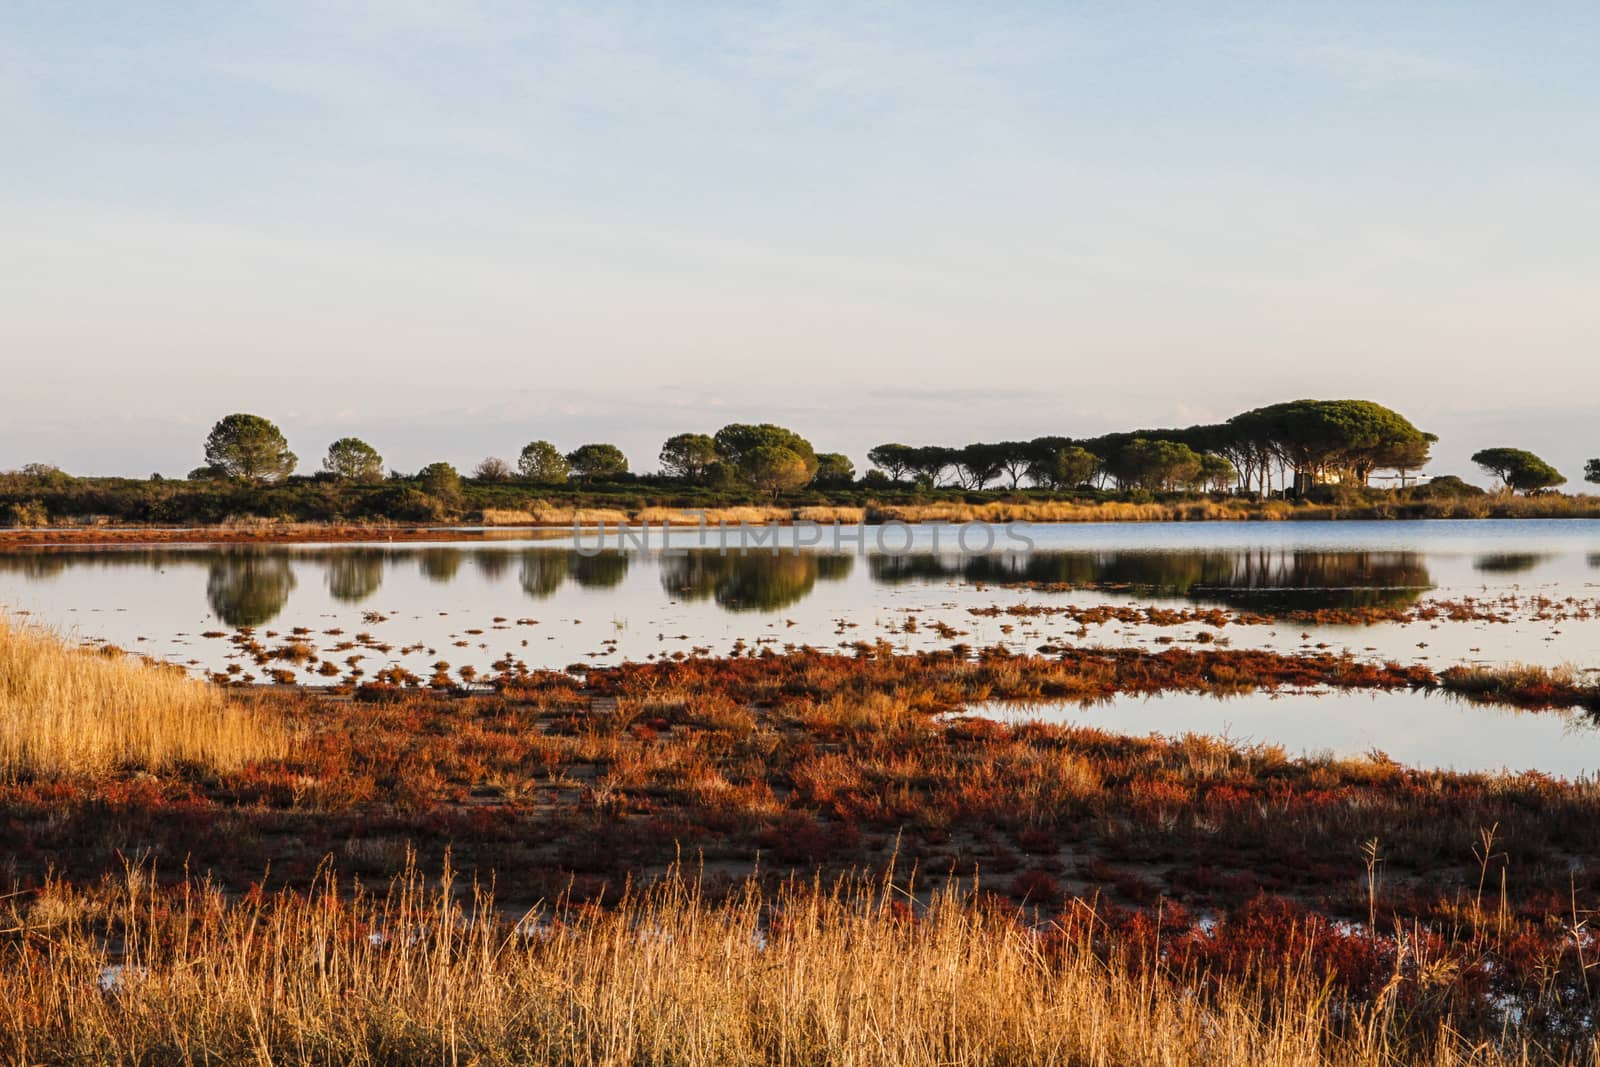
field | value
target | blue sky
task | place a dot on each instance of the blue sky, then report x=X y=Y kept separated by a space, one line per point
x=451 y=228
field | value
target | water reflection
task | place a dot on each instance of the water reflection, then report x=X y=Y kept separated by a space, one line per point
x=250 y=585
x=355 y=574
x=1508 y=562
x=1284 y=579
x=605 y=570
x=35 y=566
x=439 y=564
x=759 y=582
x=248 y=588
x=1415 y=728
x=492 y=564
x=543 y=571
x=703 y=599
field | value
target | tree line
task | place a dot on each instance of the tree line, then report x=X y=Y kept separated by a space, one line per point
x=762 y=456
x=1262 y=450
x=1280 y=446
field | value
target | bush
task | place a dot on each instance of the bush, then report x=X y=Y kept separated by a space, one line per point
x=27 y=513
x=440 y=480
x=493 y=469
x=1344 y=494
x=834 y=471
x=1447 y=487
x=46 y=475
x=1037 y=887
x=410 y=505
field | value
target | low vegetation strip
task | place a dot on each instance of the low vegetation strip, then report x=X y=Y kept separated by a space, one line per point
x=338 y=520
x=1522 y=685
x=331 y=518
x=102 y=534
x=68 y=711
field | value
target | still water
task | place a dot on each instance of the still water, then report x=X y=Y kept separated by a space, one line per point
x=1417 y=729
x=556 y=602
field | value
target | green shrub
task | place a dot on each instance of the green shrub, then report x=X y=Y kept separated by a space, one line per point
x=1345 y=495
x=26 y=513
x=1447 y=487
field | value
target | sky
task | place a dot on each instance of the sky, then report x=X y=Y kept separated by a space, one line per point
x=451 y=228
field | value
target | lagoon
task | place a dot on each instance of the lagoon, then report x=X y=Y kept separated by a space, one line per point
x=1492 y=592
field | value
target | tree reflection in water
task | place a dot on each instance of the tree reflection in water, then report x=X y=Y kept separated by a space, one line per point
x=1508 y=562
x=439 y=564
x=604 y=570
x=247 y=588
x=250 y=585
x=492 y=562
x=750 y=582
x=355 y=573
x=35 y=566
x=543 y=571
x=1294 y=579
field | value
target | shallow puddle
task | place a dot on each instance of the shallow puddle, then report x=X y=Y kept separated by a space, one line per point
x=1415 y=728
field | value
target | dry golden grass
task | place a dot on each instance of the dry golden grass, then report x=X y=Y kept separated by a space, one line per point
x=539 y=513
x=542 y=513
x=712 y=516
x=1510 y=677
x=848 y=516
x=747 y=514
x=72 y=711
x=507 y=517
x=751 y=515
x=805 y=977
x=1546 y=506
x=1067 y=511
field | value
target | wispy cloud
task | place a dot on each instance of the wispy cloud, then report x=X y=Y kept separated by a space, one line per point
x=1365 y=63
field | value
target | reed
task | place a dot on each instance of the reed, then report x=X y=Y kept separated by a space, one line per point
x=73 y=711
x=848 y=516
x=546 y=514
x=862 y=973
x=1070 y=511
x=755 y=516
x=1522 y=685
x=507 y=517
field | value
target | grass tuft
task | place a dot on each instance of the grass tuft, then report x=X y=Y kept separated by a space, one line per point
x=68 y=711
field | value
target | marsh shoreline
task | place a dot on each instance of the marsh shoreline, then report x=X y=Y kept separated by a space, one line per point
x=494 y=527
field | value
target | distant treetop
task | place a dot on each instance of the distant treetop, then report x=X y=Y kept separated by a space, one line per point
x=1323 y=440
x=440 y=480
x=351 y=459
x=597 y=462
x=542 y=462
x=250 y=448
x=1518 y=469
x=688 y=456
x=770 y=458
